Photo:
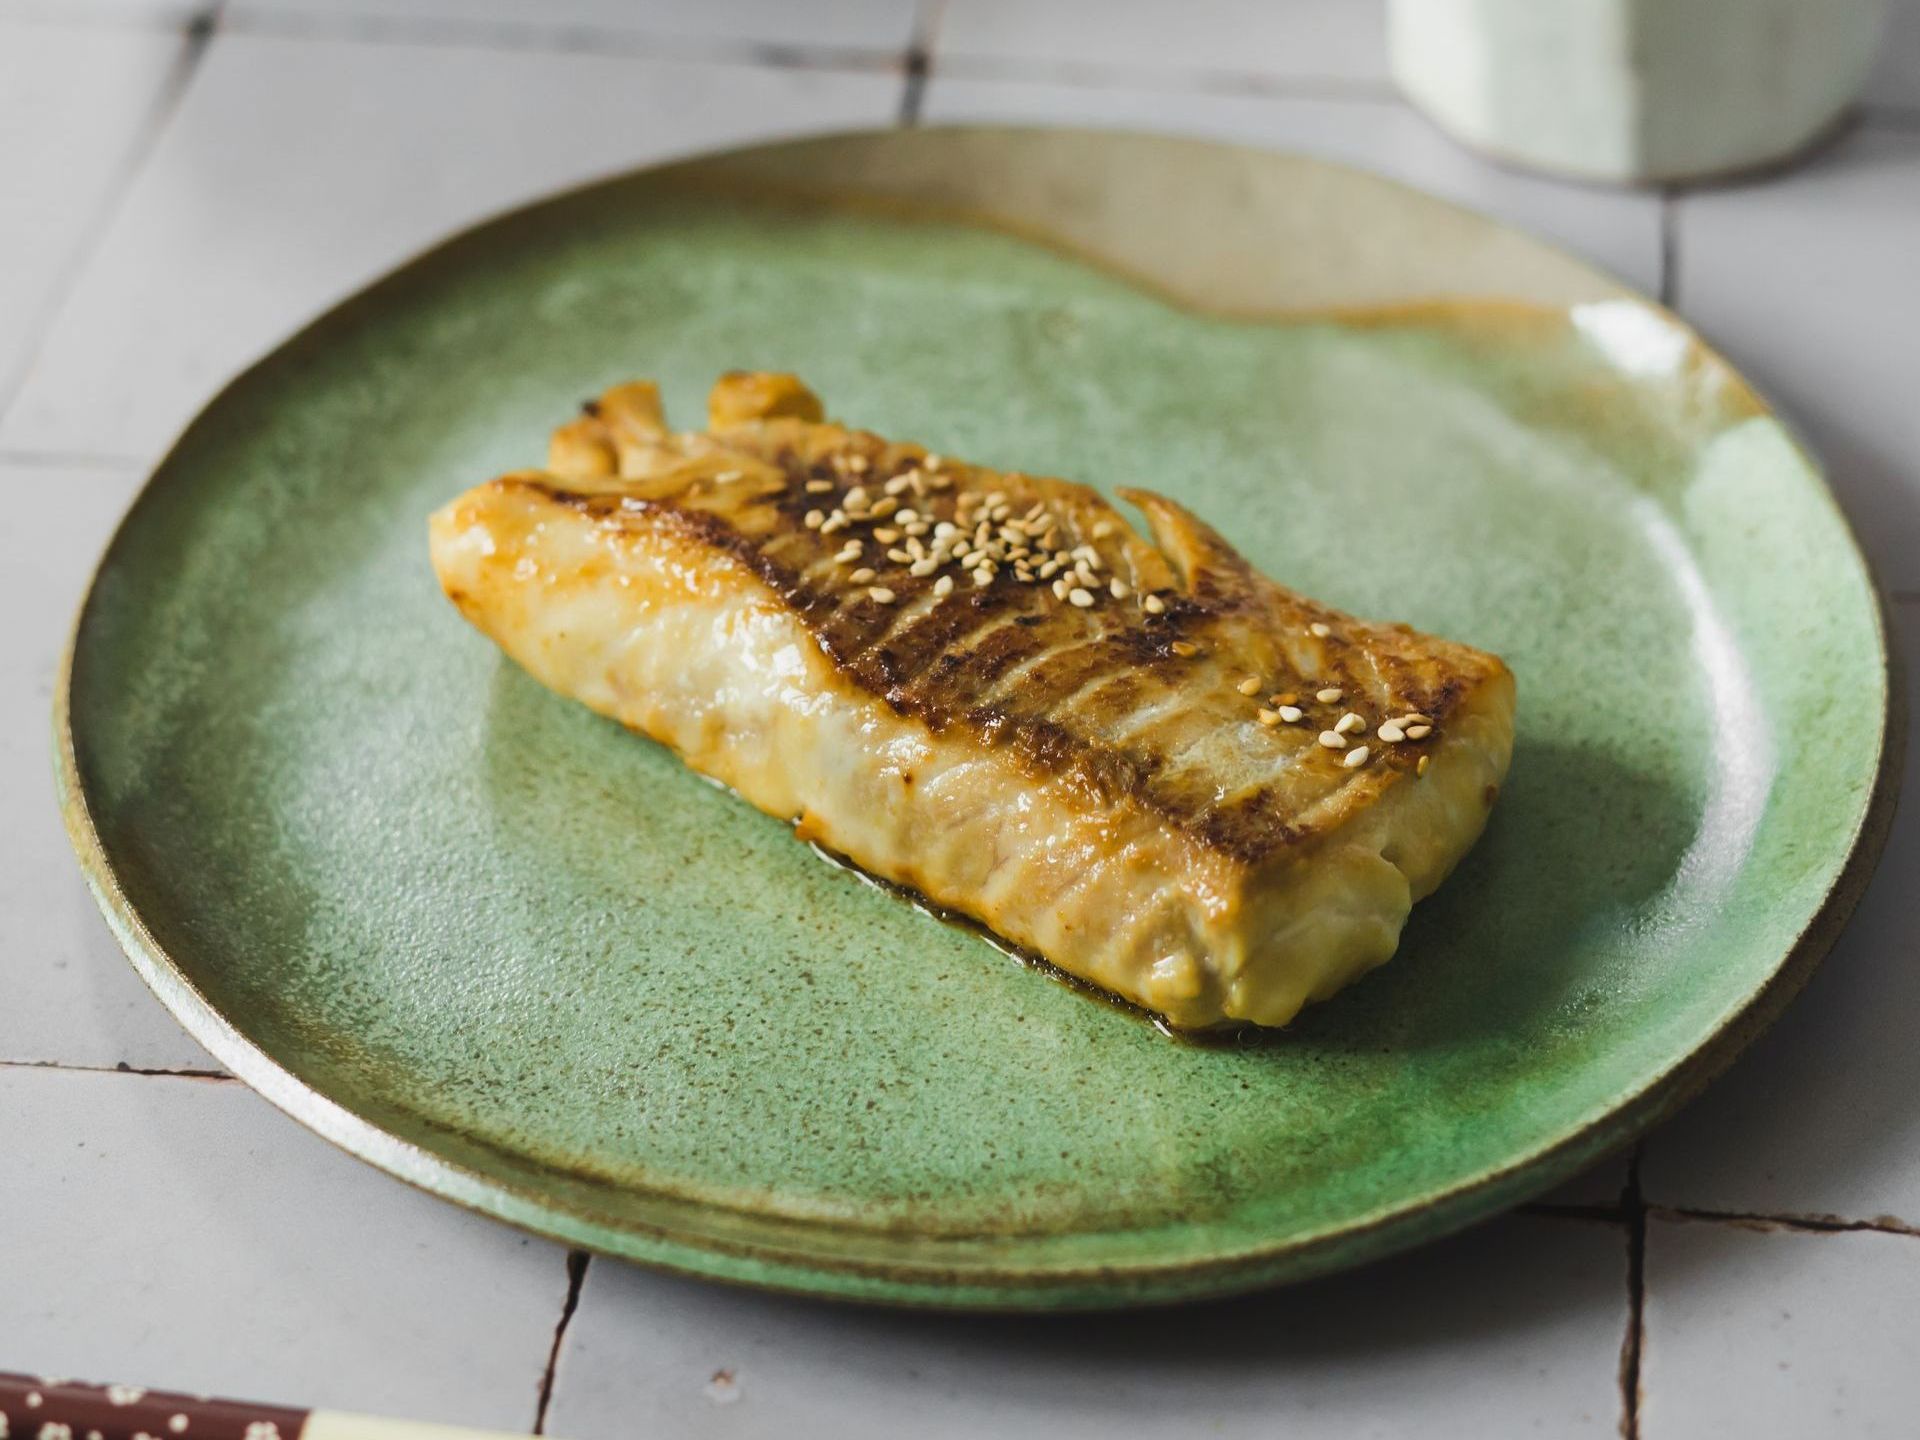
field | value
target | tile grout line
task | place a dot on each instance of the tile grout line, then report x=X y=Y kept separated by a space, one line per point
x=1633 y=1344
x=1199 y=80
x=1807 y=1224
x=518 y=37
x=593 y=39
x=182 y=1072
x=71 y=459
x=197 y=35
x=577 y=1261
x=1670 y=247
x=926 y=27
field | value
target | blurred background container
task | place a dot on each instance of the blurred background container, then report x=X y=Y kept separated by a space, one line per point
x=1635 y=90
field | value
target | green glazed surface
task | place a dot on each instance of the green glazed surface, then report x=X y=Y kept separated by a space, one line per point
x=523 y=958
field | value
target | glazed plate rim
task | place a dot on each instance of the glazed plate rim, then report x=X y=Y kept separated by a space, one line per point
x=937 y=1282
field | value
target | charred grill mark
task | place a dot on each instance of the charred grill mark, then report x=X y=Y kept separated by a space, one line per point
x=1022 y=670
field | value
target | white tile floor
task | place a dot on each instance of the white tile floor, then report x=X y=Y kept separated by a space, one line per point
x=1534 y=1308
x=185 y=204
x=1754 y=1333
x=70 y=997
x=161 y=1226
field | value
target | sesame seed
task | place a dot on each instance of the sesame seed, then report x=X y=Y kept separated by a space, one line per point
x=1415 y=720
x=1049 y=569
x=923 y=568
x=1421 y=768
x=1079 y=597
x=899 y=556
x=1291 y=714
x=940 y=482
x=907 y=516
x=1391 y=732
x=819 y=487
x=857 y=464
x=933 y=462
x=1269 y=718
x=982 y=578
x=1333 y=740
x=836 y=521
x=1184 y=648
x=1356 y=757
x=1060 y=589
x=918 y=527
x=897 y=484
x=815 y=519
x=1023 y=574
x=1350 y=724
x=944 y=529
x=862 y=575
x=884 y=507
x=726 y=477
x=994 y=497
x=1319 y=631
x=1102 y=529
x=855 y=498
x=915 y=548
x=943 y=586
x=1285 y=697
x=1154 y=605
x=882 y=594
x=885 y=534
x=1329 y=696
x=1249 y=686
x=1419 y=732
x=848 y=551
x=1120 y=588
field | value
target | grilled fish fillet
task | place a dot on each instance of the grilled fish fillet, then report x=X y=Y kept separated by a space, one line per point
x=1158 y=769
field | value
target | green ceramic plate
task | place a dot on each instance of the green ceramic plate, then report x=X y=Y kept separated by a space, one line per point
x=521 y=958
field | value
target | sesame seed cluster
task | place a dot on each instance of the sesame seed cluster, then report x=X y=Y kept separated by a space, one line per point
x=983 y=538
x=893 y=524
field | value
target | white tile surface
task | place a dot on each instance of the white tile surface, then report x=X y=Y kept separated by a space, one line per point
x=70 y=996
x=148 y=14
x=1532 y=1310
x=1811 y=284
x=73 y=103
x=1284 y=39
x=181 y=1233
x=296 y=170
x=830 y=24
x=1618 y=230
x=1820 y=1118
x=1778 y=1335
x=1896 y=73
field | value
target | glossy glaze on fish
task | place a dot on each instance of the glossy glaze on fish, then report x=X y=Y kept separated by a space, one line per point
x=1160 y=770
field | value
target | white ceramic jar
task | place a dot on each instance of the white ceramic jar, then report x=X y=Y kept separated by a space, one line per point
x=1635 y=90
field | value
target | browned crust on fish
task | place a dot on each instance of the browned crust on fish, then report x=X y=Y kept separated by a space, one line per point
x=1057 y=686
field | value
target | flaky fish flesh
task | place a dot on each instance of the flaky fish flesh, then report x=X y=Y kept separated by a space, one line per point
x=1133 y=755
